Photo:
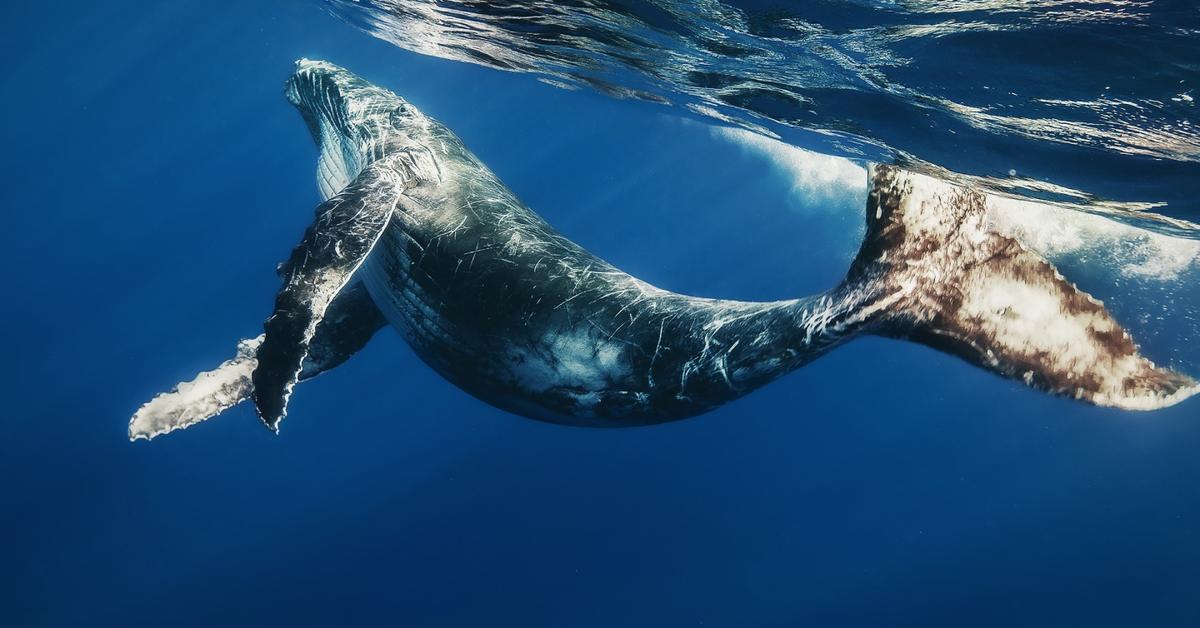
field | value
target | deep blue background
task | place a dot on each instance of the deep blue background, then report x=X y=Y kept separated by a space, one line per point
x=154 y=176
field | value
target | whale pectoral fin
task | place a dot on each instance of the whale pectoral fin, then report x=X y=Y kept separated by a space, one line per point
x=349 y=324
x=345 y=231
x=207 y=395
x=939 y=275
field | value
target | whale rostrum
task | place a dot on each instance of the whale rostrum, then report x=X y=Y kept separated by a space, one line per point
x=416 y=233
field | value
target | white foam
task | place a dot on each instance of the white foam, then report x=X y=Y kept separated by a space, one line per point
x=819 y=181
x=1055 y=232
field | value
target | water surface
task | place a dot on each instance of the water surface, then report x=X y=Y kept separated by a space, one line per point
x=156 y=176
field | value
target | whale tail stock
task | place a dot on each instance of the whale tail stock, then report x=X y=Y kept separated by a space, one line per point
x=931 y=270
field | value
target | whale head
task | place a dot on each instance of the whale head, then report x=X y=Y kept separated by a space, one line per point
x=352 y=121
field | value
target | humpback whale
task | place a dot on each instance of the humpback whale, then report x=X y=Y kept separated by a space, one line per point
x=418 y=234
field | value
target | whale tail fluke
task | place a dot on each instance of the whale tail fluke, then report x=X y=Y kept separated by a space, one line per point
x=936 y=273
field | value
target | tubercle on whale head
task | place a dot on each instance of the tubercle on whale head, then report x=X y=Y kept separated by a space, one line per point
x=326 y=94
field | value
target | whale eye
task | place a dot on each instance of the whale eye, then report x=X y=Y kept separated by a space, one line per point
x=399 y=115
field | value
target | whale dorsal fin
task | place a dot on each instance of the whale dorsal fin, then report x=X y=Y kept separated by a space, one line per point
x=346 y=229
x=938 y=274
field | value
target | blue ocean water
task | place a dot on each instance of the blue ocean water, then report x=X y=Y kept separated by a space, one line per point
x=157 y=176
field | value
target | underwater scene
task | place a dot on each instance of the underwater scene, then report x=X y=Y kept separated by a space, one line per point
x=661 y=313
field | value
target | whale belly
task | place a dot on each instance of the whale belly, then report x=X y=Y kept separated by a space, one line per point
x=416 y=305
x=533 y=360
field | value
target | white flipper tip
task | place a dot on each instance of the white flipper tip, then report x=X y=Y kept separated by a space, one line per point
x=209 y=394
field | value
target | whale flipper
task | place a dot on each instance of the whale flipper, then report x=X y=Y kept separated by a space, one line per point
x=207 y=395
x=351 y=321
x=345 y=231
x=939 y=275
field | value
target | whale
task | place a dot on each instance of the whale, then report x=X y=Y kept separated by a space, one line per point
x=415 y=233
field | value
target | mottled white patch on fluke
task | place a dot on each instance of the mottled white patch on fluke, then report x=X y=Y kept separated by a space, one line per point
x=209 y=394
x=970 y=289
